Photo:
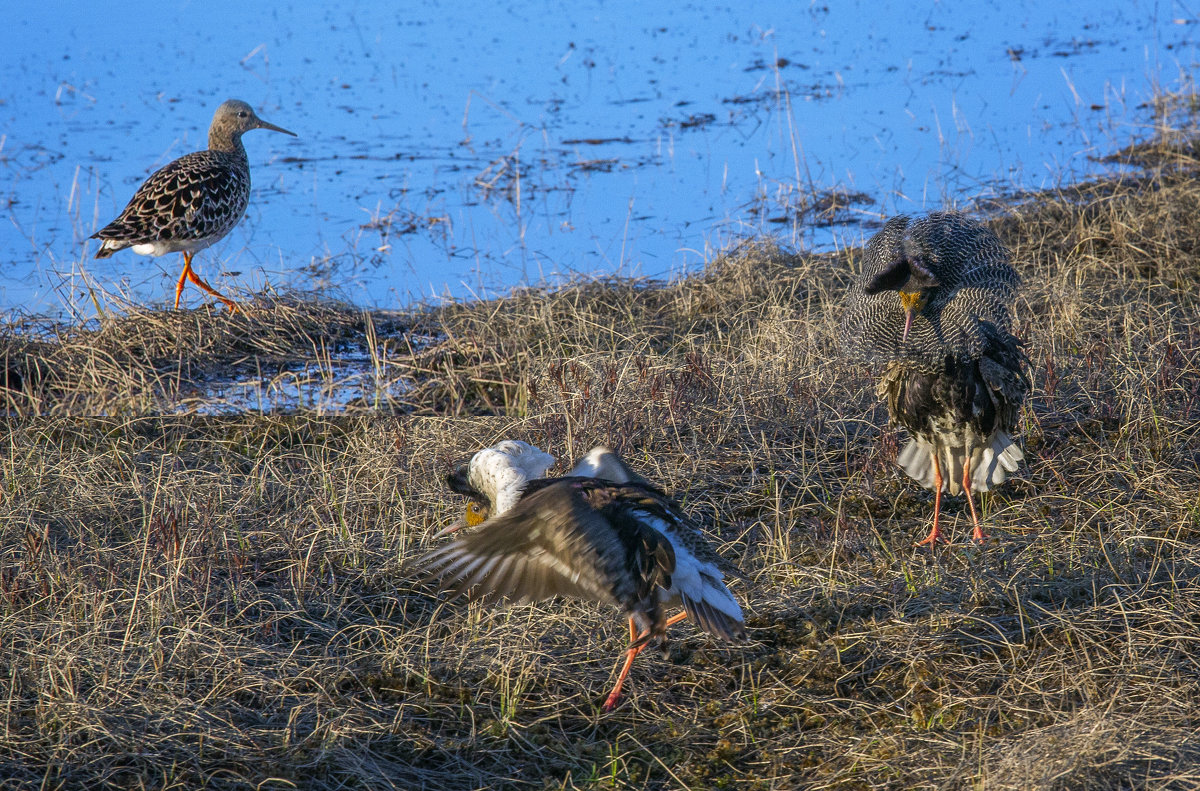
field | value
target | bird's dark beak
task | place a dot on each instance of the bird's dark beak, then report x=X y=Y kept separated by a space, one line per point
x=264 y=125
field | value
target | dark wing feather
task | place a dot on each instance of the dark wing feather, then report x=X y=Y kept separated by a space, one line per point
x=553 y=543
x=1004 y=371
x=628 y=489
x=890 y=278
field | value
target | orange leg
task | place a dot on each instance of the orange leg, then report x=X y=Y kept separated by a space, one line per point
x=610 y=702
x=674 y=619
x=978 y=535
x=187 y=265
x=935 y=534
x=191 y=275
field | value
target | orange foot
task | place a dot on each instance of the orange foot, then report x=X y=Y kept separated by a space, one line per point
x=935 y=535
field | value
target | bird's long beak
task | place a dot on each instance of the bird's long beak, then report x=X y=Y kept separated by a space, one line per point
x=452 y=529
x=912 y=302
x=264 y=125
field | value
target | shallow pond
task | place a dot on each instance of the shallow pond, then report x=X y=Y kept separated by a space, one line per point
x=463 y=147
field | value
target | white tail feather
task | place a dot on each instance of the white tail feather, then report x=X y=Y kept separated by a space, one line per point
x=916 y=459
x=696 y=579
x=702 y=582
x=994 y=463
x=991 y=464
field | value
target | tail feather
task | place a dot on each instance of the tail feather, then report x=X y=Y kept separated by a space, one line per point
x=916 y=459
x=991 y=464
x=711 y=617
x=108 y=246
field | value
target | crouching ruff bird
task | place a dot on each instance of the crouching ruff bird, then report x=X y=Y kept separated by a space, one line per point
x=932 y=306
x=600 y=533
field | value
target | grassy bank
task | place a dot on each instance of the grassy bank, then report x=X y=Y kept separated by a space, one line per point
x=189 y=602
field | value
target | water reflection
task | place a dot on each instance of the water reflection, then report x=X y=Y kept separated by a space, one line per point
x=459 y=148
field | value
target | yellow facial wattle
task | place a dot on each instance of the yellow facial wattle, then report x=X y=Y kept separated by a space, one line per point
x=912 y=301
x=475 y=514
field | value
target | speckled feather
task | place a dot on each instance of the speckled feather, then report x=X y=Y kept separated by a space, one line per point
x=957 y=383
x=187 y=205
x=978 y=286
x=195 y=200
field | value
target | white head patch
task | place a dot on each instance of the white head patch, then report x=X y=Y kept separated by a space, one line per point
x=501 y=472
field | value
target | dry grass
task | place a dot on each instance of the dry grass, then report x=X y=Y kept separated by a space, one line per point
x=189 y=602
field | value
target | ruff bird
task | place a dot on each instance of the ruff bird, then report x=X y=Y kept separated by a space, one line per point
x=600 y=533
x=932 y=305
x=192 y=202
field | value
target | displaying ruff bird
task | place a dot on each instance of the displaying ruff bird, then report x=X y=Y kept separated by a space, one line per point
x=192 y=202
x=932 y=305
x=599 y=533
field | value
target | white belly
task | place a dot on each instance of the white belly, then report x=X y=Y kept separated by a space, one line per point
x=171 y=246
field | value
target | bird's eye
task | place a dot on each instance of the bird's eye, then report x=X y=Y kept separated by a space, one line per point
x=241 y=114
x=475 y=514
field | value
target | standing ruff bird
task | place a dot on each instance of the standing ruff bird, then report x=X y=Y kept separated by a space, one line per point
x=932 y=305
x=599 y=533
x=192 y=202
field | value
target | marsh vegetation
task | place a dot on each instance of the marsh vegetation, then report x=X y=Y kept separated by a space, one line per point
x=220 y=602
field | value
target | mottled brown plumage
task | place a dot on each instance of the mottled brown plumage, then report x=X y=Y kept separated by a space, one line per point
x=192 y=202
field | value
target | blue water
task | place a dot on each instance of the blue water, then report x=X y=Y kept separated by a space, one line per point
x=451 y=147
